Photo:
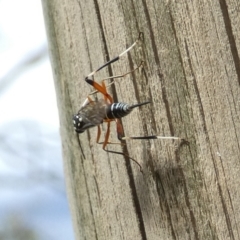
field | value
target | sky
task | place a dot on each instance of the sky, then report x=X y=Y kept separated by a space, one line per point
x=32 y=187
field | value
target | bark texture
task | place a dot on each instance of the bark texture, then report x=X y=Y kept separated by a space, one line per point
x=192 y=76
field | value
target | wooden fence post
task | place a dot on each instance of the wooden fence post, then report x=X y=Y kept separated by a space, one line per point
x=191 y=75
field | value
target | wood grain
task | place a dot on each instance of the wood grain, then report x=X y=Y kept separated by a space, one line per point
x=191 y=75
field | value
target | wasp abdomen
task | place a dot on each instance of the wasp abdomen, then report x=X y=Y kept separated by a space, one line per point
x=118 y=110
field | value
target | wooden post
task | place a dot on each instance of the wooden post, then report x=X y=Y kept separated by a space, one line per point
x=191 y=75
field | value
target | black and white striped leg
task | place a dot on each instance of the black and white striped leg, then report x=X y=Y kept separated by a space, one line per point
x=118 y=76
x=90 y=80
x=116 y=58
x=152 y=137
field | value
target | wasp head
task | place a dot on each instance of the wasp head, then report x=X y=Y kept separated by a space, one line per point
x=79 y=125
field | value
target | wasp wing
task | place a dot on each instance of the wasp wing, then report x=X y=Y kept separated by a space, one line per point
x=94 y=112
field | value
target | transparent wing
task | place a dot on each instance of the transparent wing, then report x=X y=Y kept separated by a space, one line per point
x=94 y=112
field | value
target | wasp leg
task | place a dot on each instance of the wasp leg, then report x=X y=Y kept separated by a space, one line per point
x=87 y=100
x=152 y=137
x=98 y=134
x=105 y=143
x=108 y=142
x=102 y=89
x=117 y=76
x=90 y=78
x=117 y=143
x=181 y=140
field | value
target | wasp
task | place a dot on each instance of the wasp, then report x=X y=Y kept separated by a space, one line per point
x=93 y=113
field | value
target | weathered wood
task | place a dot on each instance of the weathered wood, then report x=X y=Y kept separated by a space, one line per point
x=192 y=77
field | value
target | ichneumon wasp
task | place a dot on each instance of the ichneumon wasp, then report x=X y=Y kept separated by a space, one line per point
x=93 y=113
